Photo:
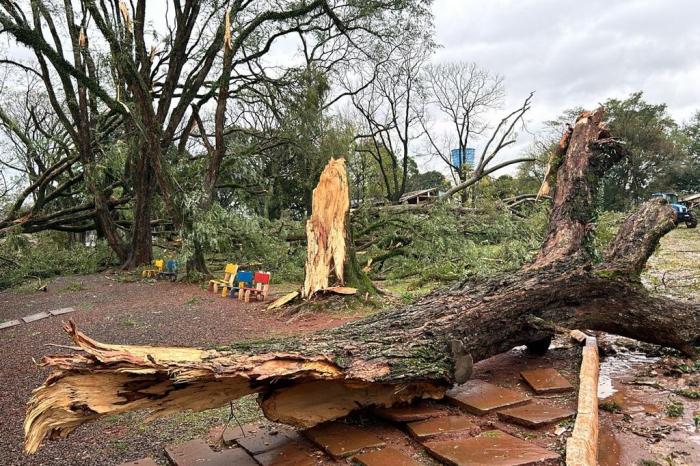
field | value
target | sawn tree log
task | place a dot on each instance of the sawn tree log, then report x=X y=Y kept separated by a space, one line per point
x=418 y=350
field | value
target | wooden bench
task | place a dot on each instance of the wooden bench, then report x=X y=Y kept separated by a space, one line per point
x=227 y=281
x=260 y=289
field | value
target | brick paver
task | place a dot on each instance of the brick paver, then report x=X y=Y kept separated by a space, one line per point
x=410 y=413
x=491 y=448
x=385 y=457
x=197 y=453
x=535 y=415
x=442 y=425
x=479 y=397
x=341 y=440
x=546 y=380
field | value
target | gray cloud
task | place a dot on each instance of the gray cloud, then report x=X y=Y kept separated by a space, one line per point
x=578 y=53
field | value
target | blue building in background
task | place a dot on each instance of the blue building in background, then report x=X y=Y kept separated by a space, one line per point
x=461 y=157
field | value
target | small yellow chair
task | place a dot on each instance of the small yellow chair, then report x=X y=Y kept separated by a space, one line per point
x=155 y=270
x=230 y=284
x=227 y=282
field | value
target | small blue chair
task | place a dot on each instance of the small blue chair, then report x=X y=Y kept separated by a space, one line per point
x=244 y=278
x=170 y=270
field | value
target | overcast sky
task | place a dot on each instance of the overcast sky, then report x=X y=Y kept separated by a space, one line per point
x=574 y=53
x=579 y=53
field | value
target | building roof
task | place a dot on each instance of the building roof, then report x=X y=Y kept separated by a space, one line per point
x=691 y=197
x=414 y=194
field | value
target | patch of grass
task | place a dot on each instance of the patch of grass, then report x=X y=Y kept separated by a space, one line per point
x=696 y=421
x=688 y=368
x=37 y=257
x=120 y=445
x=193 y=300
x=86 y=306
x=566 y=423
x=692 y=394
x=674 y=408
x=74 y=286
x=128 y=321
x=26 y=287
x=649 y=463
x=610 y=406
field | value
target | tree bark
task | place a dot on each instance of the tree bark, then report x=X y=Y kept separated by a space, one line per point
x=141 y=251
x=412 y=351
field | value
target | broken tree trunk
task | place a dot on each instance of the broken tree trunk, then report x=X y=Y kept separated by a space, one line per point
x=418 y=350
x=326 y=230
x=330 y=253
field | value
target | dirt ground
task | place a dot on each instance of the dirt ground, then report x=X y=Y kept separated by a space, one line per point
x=144 y=312
x=645 y=418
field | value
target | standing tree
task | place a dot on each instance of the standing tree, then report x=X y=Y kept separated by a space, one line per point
x=154 y=81
x=654 y=151
x=390 y=107
x=465 y=94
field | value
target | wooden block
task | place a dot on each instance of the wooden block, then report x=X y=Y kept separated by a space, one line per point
x=582 y=446
x=578 y=336
x=279 y=302
x=37 y=316
x=61 y=311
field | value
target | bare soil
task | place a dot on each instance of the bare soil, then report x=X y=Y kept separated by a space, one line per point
x=117 y=311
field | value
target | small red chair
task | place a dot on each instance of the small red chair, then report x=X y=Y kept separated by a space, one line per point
x=260 y=289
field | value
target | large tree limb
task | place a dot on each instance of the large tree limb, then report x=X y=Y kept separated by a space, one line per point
x=418 y=350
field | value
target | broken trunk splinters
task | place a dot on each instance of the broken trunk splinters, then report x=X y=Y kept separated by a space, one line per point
x=326 y=230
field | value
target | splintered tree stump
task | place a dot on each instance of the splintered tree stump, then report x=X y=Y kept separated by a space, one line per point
x=413 y=351
x=326 y=230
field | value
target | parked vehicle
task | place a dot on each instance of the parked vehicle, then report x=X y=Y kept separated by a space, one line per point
x=683 y=214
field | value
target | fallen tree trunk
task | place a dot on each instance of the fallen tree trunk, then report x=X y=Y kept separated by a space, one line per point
x=418 y=350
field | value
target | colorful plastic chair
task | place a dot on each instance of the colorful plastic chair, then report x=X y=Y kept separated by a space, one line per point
x=244 y=278
x=170 y=270
x=260 y=290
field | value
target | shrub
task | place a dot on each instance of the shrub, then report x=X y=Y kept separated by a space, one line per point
x=47 y=254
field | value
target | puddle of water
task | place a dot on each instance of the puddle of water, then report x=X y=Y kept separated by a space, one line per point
x=624 y=362
x=608 y=448
x=631 y=404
